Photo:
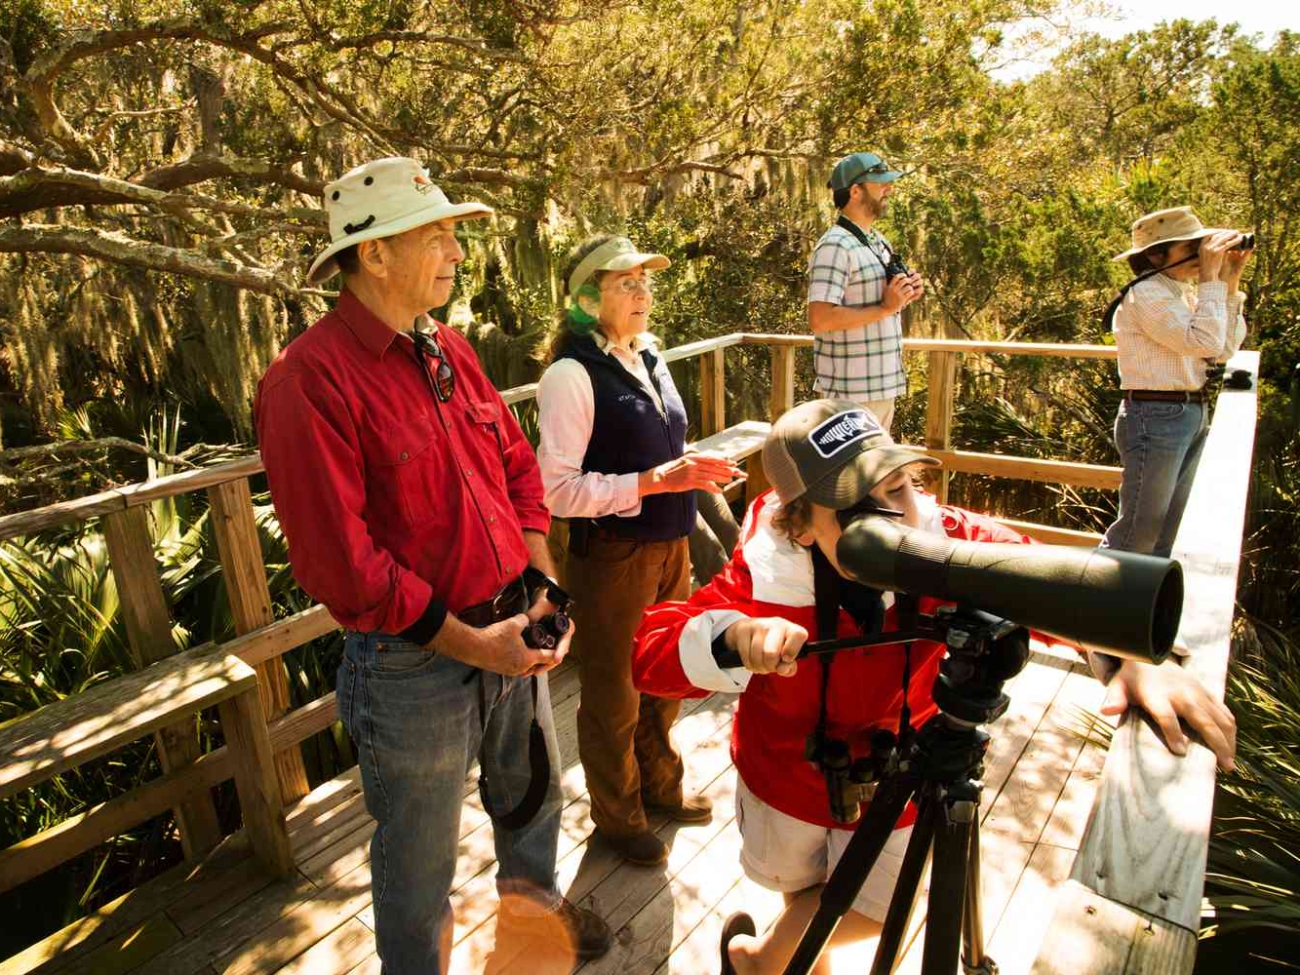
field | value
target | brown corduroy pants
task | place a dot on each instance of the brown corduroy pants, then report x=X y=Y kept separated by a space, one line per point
x=623 y=735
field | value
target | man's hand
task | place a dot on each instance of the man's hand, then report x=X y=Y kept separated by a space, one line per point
x=1168 y=693
x=897 y=294
x=544 y=607
x=768 y=645
x=499 y=648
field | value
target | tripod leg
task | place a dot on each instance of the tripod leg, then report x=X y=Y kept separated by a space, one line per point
x=974 y=960
x=943 y=919
x=903 y=903
x=846 y=879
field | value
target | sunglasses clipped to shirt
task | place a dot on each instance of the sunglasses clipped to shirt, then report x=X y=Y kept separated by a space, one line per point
x=441 y=379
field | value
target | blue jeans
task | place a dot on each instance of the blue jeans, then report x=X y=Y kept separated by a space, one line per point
x=420 y=720
x=1160 y=445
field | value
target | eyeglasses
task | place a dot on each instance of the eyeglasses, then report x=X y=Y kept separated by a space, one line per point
x=631 y=286
x=442 y=381
x=880 y=167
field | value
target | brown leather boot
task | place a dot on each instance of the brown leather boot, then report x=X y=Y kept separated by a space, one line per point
x=643 y=849
x=693 y=809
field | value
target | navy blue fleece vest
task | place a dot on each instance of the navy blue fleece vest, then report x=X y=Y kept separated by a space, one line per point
x=630 y=434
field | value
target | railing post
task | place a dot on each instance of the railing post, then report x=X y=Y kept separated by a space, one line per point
x=713 y=392
x=149 y=629
x=243 y=568
x=938 y=414
x=250 y=748
x=782 y=395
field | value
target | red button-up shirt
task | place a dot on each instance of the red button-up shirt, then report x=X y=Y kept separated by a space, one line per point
x=391 y=500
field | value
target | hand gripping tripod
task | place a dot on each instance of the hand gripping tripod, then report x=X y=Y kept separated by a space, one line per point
x=940 y=765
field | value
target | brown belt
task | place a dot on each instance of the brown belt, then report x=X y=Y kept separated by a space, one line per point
x=1166 y=395
x=510 y=601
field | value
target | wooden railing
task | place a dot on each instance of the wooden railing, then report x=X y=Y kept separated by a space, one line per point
x=263 y=641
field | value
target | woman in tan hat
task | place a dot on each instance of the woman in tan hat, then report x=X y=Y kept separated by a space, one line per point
x=614 y=462
x=1182 y=314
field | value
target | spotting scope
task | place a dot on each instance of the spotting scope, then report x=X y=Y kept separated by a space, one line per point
x=1114 y=602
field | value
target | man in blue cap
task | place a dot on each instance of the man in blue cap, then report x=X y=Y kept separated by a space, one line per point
x=855 y=298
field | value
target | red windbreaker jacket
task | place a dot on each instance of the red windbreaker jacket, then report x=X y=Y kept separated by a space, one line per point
x=770 y=576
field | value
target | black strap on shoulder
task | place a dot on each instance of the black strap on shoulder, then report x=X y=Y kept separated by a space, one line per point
x=1108 y=316
x=844 y=223
x=826 y=603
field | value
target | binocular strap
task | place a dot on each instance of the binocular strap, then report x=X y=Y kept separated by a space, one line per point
x=539 y=762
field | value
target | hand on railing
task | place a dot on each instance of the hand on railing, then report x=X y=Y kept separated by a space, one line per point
x=1168 y=693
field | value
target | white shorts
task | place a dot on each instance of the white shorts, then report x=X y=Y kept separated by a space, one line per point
x=786 y=854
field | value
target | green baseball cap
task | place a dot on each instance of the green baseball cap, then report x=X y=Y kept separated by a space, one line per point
x=832 y=452
x=861 y=167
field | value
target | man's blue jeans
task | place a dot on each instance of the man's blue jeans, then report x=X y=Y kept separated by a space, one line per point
x=420 y=720
x=1160 y=445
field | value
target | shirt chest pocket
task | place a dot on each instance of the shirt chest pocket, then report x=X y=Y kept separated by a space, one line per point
x=486 y=435
x=402 y=469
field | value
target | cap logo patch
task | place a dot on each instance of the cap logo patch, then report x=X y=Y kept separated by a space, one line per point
x=422 y=183
x=842 y=430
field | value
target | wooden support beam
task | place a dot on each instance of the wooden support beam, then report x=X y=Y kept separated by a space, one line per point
x=256 y=782
x=713 y=392
x=942 y=376
x=243 y=568
x=149 y=629
x=781 y=397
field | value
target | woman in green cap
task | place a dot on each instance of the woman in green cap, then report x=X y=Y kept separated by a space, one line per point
x=614 y=462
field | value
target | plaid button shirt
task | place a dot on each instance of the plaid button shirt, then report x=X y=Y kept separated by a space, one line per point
x=864 y=363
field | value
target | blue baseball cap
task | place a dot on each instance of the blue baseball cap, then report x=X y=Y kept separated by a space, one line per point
x=861 y=167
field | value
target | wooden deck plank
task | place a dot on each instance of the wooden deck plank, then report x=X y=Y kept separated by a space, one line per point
x=346 y=948
x=1025 y=803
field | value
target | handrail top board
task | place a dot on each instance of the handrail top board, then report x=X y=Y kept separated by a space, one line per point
x=119 y=499
x=82 y=727
x=738 y=441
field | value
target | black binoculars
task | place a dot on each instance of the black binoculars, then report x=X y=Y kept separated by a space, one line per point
x=849 y=781
x=547 y=632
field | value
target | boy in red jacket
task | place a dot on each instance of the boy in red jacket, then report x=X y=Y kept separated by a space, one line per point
x=824 y=457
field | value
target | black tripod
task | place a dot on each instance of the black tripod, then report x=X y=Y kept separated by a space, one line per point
x=940 y=765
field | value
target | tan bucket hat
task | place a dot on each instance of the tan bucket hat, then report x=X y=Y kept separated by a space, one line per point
x=832 y=452
x=1165 y=226
x=383 y=198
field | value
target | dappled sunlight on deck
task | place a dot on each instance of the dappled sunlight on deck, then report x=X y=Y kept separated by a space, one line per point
x=228 y=916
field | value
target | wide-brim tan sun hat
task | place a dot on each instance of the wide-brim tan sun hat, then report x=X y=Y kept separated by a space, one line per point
x=833 y=453
x=1165 y=227
x=616 y=254
x=383 y=198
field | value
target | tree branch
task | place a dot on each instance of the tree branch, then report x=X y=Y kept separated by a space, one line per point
x=120 y=249
x=18 y=454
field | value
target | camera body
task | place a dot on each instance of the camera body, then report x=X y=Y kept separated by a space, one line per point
x=895 y=267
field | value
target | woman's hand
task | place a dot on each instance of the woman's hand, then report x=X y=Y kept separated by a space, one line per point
x=768 y=645
x=1212 y=253
x=690 y=472
x=1169 y=693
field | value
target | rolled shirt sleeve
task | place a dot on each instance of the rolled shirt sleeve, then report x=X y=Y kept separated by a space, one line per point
x=567 y=410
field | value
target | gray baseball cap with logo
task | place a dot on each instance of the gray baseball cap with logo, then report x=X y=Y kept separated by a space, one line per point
x=833 y=453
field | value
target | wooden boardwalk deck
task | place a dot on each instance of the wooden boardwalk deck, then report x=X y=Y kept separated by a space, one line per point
x=226 y=916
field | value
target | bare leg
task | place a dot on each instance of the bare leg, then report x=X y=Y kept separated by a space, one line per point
x=769 y=953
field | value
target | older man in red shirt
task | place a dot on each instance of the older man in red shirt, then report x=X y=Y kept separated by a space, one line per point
x=413 y=509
